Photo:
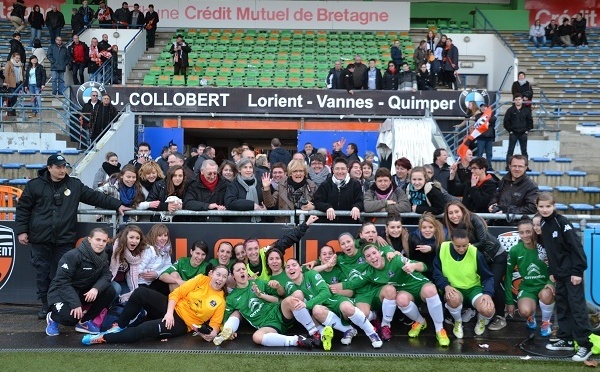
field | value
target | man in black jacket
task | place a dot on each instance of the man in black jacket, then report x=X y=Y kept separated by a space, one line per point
x=122 y=15
x=340 y=193
x=207 y=192
x=516 y=192
x=87 y=118
x=347 y=78
x=55 y=21
x=372 y=77
x=579 y=25
x=441 y=169
x=105 y=115
x=179 y=50
x=278 y=154
x=333 y=78
x=136 y=18
x=77 y=23
x=87 y=13
x=517 y=122
x=16 y=47
x=84 y=277
x=47 y=218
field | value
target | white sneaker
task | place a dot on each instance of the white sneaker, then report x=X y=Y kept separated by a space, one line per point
x=348 y=336
x=458 y=329
x=468 y=314
x=497 y=324
x=480 y=326
x=582 y=354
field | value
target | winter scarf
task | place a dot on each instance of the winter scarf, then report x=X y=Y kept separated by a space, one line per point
x=111 y=169
x=211 y=186
x=98 y=259
x=251 y=193
x=341 y=183
x=318 y=178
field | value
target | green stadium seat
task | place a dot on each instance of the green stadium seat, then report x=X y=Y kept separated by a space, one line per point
x=201 y=62
x=265 y=82
x=239 y=72
x=261 y=42
x=203 y=33
x=294 y=72
x=268 y=72
x=285 y=43
x=271 y=49
x=310 y=50
x=178 y=81
x=204 y=55
x=279 y=82
x=250 y=81
x=225 y=71
x=252 y=72
x=308 y=72
x=241 y=62
x=193 y=55
x=150 y=79
x=236 y=81
x=217 y=55
x=453 y=25
x=163 y=81
x=250 y=32
x=196 y=70
x=322 y=42
x=322 y=74
x=169 y=70
x=236 y=40
x=255 y=62
x=345 y=35
x=358 y=43
x=155 y=70
x=215 y=33
x=297 y=42
x=431 y=24
x=322 y=66
x=222 y=48
x=210 y=80
x=296 y=64
x=269 y=63
x=280 y=73
x=269 y=56
x=232 y=50
x=211 y=71
x=228 y=63
x=227 y=32
x=334 y=43
x=222 y=81
x=209 y=48
x=258 y=49
x=196 y=48
x=294 y=82
x=309 y=43
x=308 y=82
x=193 y=81
x=442 y=23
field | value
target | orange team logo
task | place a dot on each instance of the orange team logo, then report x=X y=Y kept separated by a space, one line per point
x=7 y=254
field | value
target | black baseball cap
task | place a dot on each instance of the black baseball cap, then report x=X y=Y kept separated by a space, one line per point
x=57 y=160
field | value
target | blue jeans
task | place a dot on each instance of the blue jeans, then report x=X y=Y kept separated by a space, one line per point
x=58 y=82
x=37 y=102
x=35 y=34
x=484 y=146
x=537 y=40
x=54 y=33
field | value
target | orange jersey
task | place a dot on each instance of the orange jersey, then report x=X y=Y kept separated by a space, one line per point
x=197 y=302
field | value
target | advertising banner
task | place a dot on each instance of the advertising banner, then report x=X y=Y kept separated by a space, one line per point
x=172 y=100
x=547 y=10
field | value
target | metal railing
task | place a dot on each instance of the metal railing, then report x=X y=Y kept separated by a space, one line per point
x=69 y=112
x=488 y=26
x=506 y=75
x=300 y=216
x=104 y=75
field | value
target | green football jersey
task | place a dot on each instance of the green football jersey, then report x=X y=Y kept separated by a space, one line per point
x=391 y=274
x=257 y=312
x=185 y=269
x=533 y=271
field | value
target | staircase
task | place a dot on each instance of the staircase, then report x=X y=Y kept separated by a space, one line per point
x=569 y=79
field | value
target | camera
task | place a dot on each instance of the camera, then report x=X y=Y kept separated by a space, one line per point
x=496 y=209
x=303 y=201
x=205 y=329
